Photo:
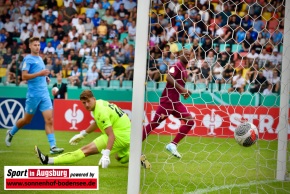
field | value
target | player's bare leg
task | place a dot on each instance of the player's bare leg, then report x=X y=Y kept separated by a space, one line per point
x=19 y=124
x=48 y=119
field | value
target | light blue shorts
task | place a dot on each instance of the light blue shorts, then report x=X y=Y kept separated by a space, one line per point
x=32 y=104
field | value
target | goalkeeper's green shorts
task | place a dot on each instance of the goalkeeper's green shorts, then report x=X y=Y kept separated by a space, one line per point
x=120 y=147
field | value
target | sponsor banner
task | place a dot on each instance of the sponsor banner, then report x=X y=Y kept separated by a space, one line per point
x=51 y=178
x=12 y=109
x=210 y=120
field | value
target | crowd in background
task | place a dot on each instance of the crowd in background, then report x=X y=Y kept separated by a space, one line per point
x=232 y=41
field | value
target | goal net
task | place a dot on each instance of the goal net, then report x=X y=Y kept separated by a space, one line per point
x=235 y=75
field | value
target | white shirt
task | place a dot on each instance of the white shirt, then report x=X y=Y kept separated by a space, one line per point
x=24 y=35
x=49 y=50
x=83 y=51
x=119 y=24
x=218 y=72
x=268 y=74
x=10 y=26
x=275 y=60
x=174 y=7
x=132 y=30
x=264 y=57
x=252 y=56
x=45 y=26
x=240 y=81
x=38 y=34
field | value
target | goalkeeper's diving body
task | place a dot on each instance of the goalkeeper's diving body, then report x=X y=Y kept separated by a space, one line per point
x=170 y=103
x=115 y=126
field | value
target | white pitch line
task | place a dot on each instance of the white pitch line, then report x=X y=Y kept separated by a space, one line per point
x=2 y=151
x=211 y=189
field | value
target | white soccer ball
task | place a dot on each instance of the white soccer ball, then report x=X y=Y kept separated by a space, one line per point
x=54 y=90
x=246 y=134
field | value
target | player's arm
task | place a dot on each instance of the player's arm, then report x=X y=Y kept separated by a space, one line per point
x=28 y=76
x=111 y=137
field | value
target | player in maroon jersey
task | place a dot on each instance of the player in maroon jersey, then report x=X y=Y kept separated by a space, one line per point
x=170 y=103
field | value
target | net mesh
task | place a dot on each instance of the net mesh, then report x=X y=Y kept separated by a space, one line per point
x=233 y=75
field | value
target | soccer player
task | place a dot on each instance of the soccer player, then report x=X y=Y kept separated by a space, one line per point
x=33 y=70
x=115 y=126
x=170 y=103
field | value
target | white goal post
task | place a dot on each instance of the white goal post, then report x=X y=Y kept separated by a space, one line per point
x=284 y=101
x=140 y=63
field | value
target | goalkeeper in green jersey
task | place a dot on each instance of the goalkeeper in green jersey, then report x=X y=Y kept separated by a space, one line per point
x=115 y=126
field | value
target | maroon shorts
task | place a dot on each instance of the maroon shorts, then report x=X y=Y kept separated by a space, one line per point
x=177 y=109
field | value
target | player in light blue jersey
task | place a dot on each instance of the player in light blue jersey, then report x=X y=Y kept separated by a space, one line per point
x=34 y=71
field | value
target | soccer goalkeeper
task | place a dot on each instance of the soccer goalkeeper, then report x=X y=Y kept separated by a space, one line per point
x=115 y=126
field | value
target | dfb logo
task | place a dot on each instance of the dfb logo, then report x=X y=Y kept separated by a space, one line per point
x=10 y=111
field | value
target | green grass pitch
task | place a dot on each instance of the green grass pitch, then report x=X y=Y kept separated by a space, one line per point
x=208 y=165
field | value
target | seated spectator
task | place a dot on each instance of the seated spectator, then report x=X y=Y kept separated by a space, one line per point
x=48 y=49
x=96 y=20
x=19 y=25
x=129 y=73
x=275 y=81
x=85 y=50
x=49 y=18
x=14 y=73
x=8 y=56
x=106 y=72
x=90 y=10
x=122 y=12
x=260 y=83
x=91 y=77
x=56 y=68
x=101 y=10
x=205 y=75
x=277 y=37
x=42 y=44
x=27 y=17
x=102 y=29
x=275 y=59
x=240 y=35
x=38 y=33
x=74 y=78
x=24 y=34
x=109 y=19
x=268 y=90
x=106 y=4
x=248 y=42
x=217 y=72
x=119 y=72
x=89 y=26
x=75 y=45
x=129 y=5
x=80 y=27
x=113 y=32
x=228 y=72
x=62 y=87
x=238 y=83
x=210 y=58
x=254 y=69
x=153 y=72
x=252 y=56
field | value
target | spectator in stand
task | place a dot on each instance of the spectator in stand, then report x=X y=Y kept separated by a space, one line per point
x=8 y=56
x=85 y=50
x=42 y=44
x=38 y=33
x=55 y=42
x=238 y=83
x=275 y=81
x=205 y=47
x=228 y=72
x=217 y=72
x=49 y=18
x=129 y=5
x=91 y=77
x=248 y=42
x=24 y=34
x=119 y=72
x=101 y=10
x=265 y=36
x=246 y=23
x=59 y=51
x=260 y=82
x=74 y=78
x=69 y=12
x=90 y=10
x=258 y=24
x=106 y=4
x=132 y=31
x=62 y=88
x=205 y=75
x=254 y=69
x=56 y=68
x=275 y=59
x=107 y=71
x=129 y=73
x=48 y=49
x=210 y=58
x=263 y=58
x=257 y=46
x=102 y=29
x=80 y=27
x=122 y=12
x=26 y=17
x=277 y=37
x=89 y=26
x=252 y=56
x=108 y=18
x=75 y=45
x=268 y=72
x=116 y=5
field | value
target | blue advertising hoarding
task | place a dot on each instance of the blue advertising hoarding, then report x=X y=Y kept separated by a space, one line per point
x=12 y=109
